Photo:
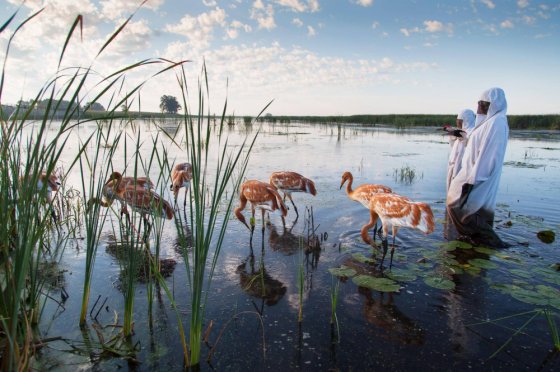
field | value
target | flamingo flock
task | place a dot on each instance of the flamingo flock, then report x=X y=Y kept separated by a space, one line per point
x=393 y=210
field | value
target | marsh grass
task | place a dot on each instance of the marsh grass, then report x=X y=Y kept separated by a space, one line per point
x=546 y=313
x=406 y=175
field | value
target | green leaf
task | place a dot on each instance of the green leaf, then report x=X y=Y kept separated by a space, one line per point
x=485 y=250
x=454 y=244
x=361 y=258
x=342 y=271
x=378 y=284
x=401 y=275
x=481 y=263
x=438 y=282
x=546 y=236
x=521 y=273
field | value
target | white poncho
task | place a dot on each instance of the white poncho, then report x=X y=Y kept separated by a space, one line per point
x=459 y=144
x=483 y=158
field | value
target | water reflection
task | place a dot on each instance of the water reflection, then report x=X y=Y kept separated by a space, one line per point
x=257 y=282
x=383 y=313
x=286 y=243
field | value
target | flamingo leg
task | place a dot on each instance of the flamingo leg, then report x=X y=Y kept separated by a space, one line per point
x=393 y=247
x=185 y=201
x=384 y=244
x=263 y=212
x=295 y=208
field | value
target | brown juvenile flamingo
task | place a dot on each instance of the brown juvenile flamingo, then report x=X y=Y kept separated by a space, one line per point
x=139 y=198
x=51 y=182
x=181 y=176
x=289 y=182
x=397 y=211
x=117 y=184
x=363 y=193
x=260 y=195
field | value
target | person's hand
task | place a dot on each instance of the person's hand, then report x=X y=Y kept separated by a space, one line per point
x=465 y=192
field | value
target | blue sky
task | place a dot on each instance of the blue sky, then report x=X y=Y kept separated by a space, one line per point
x=312 y=57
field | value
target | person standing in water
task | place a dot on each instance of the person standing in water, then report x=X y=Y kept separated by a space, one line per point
x=471 y=198
x=465 y=122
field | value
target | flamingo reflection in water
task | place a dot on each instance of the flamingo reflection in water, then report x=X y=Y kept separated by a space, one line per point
x=397 y=211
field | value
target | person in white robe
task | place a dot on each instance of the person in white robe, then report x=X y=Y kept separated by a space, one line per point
x=471 y=198
x=465 y=122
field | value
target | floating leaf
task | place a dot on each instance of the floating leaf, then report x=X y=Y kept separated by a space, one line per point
x=481 y=263
x=509 y=258
x=456 y=269
x=521 y=273
x=361 y=258
x=546 y=236
x=438 y=282
x=548 y=291
x=401 y=275
x=378 y=284
x=485 y=250
x=548 y=275
x=342 y=271
x=529 y=297
x=454 y=244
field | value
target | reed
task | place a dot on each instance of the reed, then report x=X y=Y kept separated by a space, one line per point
x=209 y=209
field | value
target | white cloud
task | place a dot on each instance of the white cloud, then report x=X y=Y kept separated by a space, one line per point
x=117 y=9
x=364 y=3
x=433 y=26
x=489 y=3
x=407 y=32
x=374 y=25
x=506 y=24
x=294 y=5
x=198 y=30
x=209 y=3
x=522 y=3
x=311 y=31
x=529 y=20
x=232 y=32
x=263 y=16
x=298 y=22
x=313 y=5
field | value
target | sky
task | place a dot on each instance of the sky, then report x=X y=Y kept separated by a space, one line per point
x=309 y=57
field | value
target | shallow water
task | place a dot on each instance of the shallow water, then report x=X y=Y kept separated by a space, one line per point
x=419 y=326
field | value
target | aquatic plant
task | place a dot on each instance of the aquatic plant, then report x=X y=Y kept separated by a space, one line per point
x=406 y=174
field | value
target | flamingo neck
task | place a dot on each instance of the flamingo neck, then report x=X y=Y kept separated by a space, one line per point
x=349 y=186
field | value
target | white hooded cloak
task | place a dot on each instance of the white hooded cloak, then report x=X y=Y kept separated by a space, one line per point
x=483 y=158
x=456 y=154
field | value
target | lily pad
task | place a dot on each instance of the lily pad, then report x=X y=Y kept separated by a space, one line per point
x=401 y=275
x=438 y=282
x=521 y=273
x=361 y=258
x=483 y=264
x=546 y=236
x=485 y=250
x=454 y=244
x=378 y=284
x=342 y=271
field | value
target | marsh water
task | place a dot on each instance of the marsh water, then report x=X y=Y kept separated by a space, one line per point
x=254 y=295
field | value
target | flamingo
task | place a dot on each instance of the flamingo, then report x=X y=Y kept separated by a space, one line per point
x=51 y=182
x=363 y=193
x=397 y=211
x=261 y=195
x=181 y=176
x=117 y=184
x=138 y=196
x=289 y=182
x=456 y=132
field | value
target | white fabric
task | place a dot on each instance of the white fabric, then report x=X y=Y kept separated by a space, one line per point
x=458 y=146
x=483 y=157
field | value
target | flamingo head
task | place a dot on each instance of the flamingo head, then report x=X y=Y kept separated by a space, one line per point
x=345 y=177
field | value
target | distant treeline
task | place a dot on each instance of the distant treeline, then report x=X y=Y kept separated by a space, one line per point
x=550 y=122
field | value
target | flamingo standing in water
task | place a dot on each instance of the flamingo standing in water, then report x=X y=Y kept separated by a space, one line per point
x=289 y=182
x=363 y=193
x=261 y=195
x=181 y=176
x=137 y=195
x=51 y=182
x=397 y=211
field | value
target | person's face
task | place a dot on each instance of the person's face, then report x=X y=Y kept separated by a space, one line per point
x=460 y=123
x=483 y=107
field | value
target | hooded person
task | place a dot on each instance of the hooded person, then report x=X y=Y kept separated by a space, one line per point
x=465 y=121
x=471 y=198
